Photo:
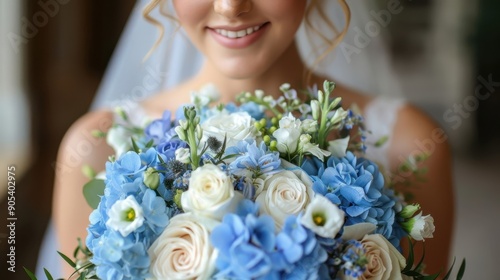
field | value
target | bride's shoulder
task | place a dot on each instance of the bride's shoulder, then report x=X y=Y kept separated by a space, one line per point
x=415 y=133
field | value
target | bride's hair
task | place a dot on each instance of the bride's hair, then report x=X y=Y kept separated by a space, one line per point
x=314 y=9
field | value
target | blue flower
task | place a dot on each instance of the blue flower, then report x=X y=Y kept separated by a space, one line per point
x=357 y=186
x=304 y=257
x=167 y=148
x=244 y=246
x=253 y=159
x=160 y=130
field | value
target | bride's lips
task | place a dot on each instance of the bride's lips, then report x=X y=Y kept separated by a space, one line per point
x=220 y=34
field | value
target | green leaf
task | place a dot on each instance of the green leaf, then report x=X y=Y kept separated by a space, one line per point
x=449 y=271
x=92 y=192
x=47 y=273
x=381 y=141
x=461 y=271
x=68 y=260
x=134 y=145
x=30 y=274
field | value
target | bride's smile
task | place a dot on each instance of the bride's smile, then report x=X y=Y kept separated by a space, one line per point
x=241 y=38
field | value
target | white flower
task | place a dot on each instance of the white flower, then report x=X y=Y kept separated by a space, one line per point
x=118 y=138
x=183 y=155
x=423 y=227
x=183 y=250
x=288 y=134
x=357 y=231
x=323 y=217
x=384 y=261
x=338 y=147
x=205 y=95
x=210 y=193
x=309 y=126
x=125 y=216
x=307 y=147
x=284 y=195
x=235 y=127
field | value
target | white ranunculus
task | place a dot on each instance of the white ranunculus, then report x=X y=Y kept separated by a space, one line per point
x=183 y=250
x=284 y=194
x=234 y=126
x=288 y=134
x=125 y=216
x=211 y=193
x=423 y=227
x=323 y=217
x=384 y=260
x=183 y=155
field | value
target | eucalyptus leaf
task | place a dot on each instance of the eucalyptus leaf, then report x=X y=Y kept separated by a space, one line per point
x=92 y=192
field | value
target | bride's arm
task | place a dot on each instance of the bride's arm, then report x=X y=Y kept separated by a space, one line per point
x=78 y=148
x=416 y=133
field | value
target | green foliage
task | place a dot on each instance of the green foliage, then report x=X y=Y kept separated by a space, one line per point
x=92 y=191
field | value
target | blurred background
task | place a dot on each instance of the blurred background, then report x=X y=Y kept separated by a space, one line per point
x=52 y=61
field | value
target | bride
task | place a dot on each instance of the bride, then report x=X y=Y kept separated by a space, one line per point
x=250 y=44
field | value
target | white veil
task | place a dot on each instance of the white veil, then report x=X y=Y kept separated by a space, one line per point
x=129 y=78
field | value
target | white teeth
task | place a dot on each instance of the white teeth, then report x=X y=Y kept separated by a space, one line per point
x=237 y=34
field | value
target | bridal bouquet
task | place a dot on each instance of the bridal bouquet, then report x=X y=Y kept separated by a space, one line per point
x=267 y=189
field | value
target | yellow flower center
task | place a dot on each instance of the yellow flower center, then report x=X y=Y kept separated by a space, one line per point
x=319 y=219
x=130 y=215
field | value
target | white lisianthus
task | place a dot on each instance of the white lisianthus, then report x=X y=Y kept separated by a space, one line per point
x=183 y=155
x=338 y=147
x=234 y=126
x=183 y=250
x=384 y=260
x=288 y=134
x=423 y=227
x=210 y=193
x=307 y=147
x=125 y=216
x=284 y=194
x=323 y=217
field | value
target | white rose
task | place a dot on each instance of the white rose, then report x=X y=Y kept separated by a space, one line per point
x=210 y=193
x=183 y=250
x=423 y=227
x=284 y=194
x=384 y=261
x=235 y=127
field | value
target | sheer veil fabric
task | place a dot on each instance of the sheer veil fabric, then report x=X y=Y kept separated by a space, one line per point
x=129 y=78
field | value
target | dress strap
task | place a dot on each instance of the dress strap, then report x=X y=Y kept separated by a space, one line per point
x=380 y=117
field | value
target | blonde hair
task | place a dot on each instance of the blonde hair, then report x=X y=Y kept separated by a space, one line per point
x=314 y=8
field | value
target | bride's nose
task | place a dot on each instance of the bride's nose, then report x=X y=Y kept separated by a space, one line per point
x=232 y=8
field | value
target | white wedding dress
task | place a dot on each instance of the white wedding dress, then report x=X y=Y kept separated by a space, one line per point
x=368 y=71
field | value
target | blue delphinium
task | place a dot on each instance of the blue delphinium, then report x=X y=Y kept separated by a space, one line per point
x=125 y=257
x=253 y=160
x=357 y=186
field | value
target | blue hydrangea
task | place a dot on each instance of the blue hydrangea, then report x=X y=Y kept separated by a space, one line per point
x=302 y=255
x=357 y=186
x=167 y=148
x=125 y=257
x=245 y=247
